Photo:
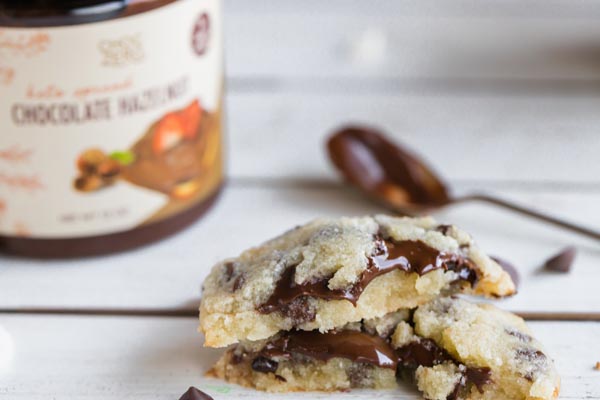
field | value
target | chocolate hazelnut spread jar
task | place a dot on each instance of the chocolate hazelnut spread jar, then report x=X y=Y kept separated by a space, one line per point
x=110 y=122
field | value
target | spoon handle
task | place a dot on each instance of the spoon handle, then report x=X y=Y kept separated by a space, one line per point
x=582 y=230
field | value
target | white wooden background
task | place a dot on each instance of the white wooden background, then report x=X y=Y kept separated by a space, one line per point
x=500 y=96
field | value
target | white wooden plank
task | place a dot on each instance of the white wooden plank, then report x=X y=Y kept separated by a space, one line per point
x=485 y=138
x=156 y=358
x=169 y=274
x=463 y=8
x=407 y=42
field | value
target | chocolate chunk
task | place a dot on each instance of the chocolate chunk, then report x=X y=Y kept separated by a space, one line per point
x=194 y=394
x=426 y=353
x=509 y=268
x=477 y=377
x=562 y=261
x=263 y=364
x=389 y=255
x=353 y=345
x=384 y=170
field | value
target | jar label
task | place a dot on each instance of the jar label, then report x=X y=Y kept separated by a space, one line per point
x=111 y=125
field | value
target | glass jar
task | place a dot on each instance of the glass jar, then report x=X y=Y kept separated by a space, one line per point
x=110 y=124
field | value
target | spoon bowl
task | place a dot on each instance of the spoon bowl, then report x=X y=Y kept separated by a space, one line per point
x=399 y=180
x=387 y=173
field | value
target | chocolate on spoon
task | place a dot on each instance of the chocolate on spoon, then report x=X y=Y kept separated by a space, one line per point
x=396 y=178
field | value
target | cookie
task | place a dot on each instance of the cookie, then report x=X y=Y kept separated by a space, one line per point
x=332 y=272
x=492 y=354
x=449 y=348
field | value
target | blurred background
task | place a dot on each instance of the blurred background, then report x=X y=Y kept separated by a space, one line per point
x=500 y=91
x=499 y=96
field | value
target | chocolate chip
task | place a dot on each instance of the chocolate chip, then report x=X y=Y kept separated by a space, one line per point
x=359 y=374
x=194 y=394
x=300 y=310
x=263 y=364
x=239 y=282
x=443 y=229
x=509 y=268
x=229 y=271
x=562 y=261
x=530 y=355
x=238 y=356
x=280 y=378
x=233 y=277
x=523 y=337
x=533 y=361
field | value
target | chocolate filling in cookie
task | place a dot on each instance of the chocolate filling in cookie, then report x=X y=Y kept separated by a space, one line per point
x=389 y=255
x=362 y=349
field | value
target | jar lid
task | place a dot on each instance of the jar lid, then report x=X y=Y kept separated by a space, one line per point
x=46 y=12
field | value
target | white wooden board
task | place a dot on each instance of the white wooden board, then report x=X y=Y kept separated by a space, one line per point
x=168 y=275
x=96 y=358
x=567 y=9
x=500 y=95
x=406 y=41
x=484 y=138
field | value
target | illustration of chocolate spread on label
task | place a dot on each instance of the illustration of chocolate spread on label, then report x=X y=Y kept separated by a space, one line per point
x=120 y=129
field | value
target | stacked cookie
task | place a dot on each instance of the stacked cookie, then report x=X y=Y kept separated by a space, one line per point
x=362 y=302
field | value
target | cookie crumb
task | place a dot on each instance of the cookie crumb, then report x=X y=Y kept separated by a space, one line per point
x=597 y=367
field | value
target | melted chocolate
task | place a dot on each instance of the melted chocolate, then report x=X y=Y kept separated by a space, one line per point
x=356 y=346
x=370 y=350
x=408 y=256
x=383 y=169
x=426 y=353
x=194 y=394
x=422 y=352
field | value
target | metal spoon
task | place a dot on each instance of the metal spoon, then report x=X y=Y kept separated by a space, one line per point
x=400 y=181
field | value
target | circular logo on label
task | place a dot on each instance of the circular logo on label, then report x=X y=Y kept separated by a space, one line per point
x=201 y=34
